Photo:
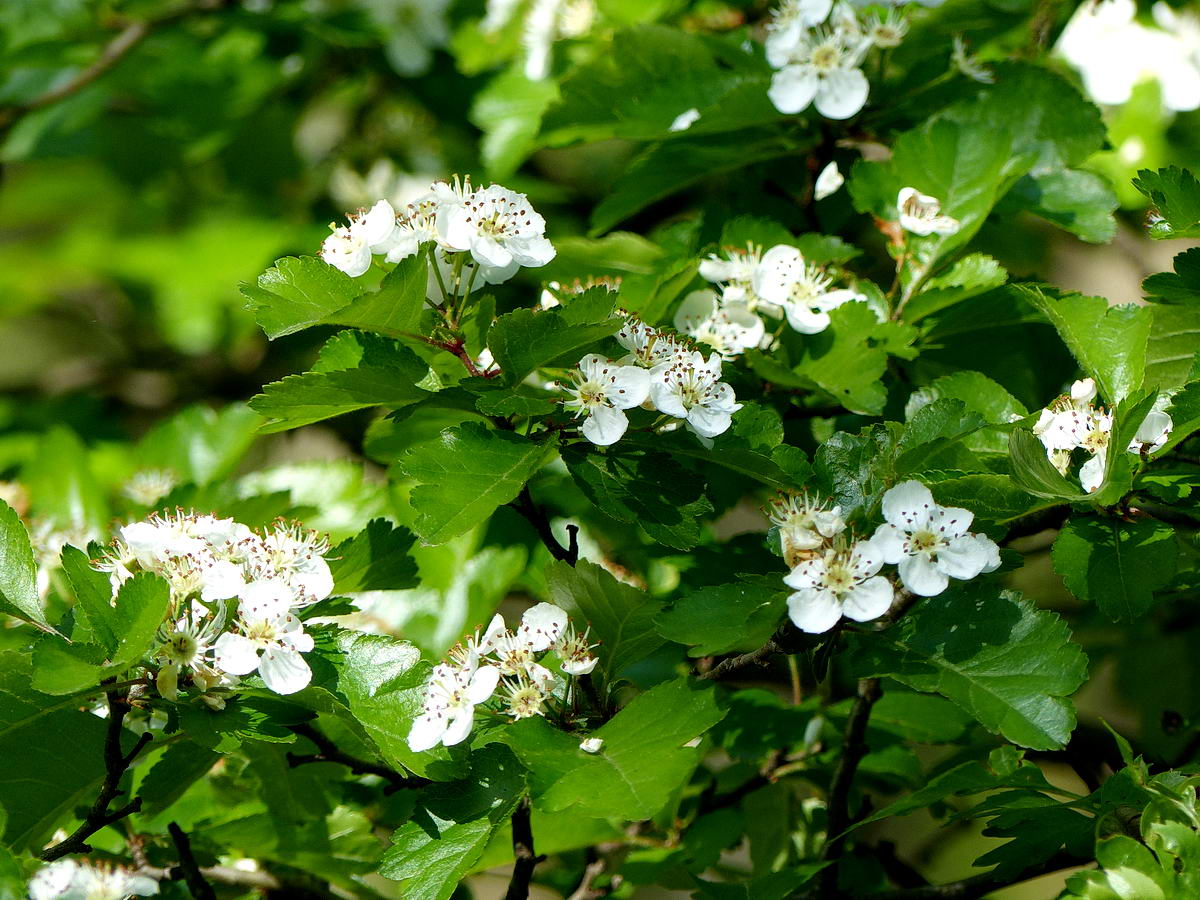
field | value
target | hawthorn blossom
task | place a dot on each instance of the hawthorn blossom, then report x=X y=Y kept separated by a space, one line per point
x=1152 y=433
x=501 y=231
x=735 y=273
x=147 y=486
x=969 y=65
x=842 y=581
x=70 y=879
x=731 y=329
x=886 y=29
x=268 y=638
x=789 y=24
x=602 y=391
x=803 y=292
x=451 y=696
x=186 y=645
x=648 y=346
x=416 y=225
x=690 y=389
x=542 y=625
x=828 y=182
x=526 y=698
x=575 y=651
x=804 y=525
x=820 y=69
x=930 y=543
x=349 y=248
x=921 y=214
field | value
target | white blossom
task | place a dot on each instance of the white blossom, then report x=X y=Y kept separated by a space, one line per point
x=803 y=292
x=1152 y=433
x=828 y=182
x=69 y=879
x=804 y=524
x=690 y=389
x=450 y=700
x=969 y=65
x=575 y=652
x=886 y=29
x=601 y=391
x=349 y=248
x=268 y=638
x=821 y=69
x=501 y=231
x=840 y=582
x=591 y=745
x=147 y=486
x=921 y=214
x=684 y=120
x=542 y=625
x=648 y=346
x=789 y=25
x=730 y=329
x=930 y=543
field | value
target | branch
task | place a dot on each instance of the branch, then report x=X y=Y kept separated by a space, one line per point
x=526 y=857
x=977 y=885
x=196 y=882
x=854 y=748
x=115 y=765
x=328 y=751
x=541 y=524
x=724 y=667
x=266 y=882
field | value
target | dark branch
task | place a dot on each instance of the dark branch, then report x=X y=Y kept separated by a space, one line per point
x=327 y=751
x=854 y=748
x=196 y=882
x=526 y=857
x=724 y=667
x=116 y=762
x=541 y=524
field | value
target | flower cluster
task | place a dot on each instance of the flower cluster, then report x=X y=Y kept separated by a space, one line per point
x=833 y=576
x=660 y=372
x=817 y=48
x=211 y=563
x=502 y=659
x=69 y=879
x=1073 y=422
x=778 y=283
x=486 y=232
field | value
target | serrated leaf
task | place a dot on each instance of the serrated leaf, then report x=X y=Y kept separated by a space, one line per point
x=1176 y=194
x=621 y=616
x=1008 y=664
x=1172 y=345
x=93 y=597
x=296 y=293
x=1034 y=473
x=465 y=474
x=525 y=339
x=395 y=308
x=968 y=277
x=1114 y=563
x=376 y=559
x=643 y=759
x=180 y=766
x=18 y=574
x=724 y=617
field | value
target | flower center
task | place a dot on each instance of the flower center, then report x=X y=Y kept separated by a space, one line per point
x=924 y=542
x=826 y=56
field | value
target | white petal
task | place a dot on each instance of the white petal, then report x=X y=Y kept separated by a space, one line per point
x=842 y=93
x=828 y=182
x=580 y=666
x=908 y=505
x=888 y=542
x=707 y=421
x=604 y=426
x=868 y=600
x=223 y=580
x=483 y=683
x=460 y=722
x=774 y=277
x=378 y=224
x=542 y=625
x=963 y=557
x=805 y=576
x=922 y=576
x=793 y=88
x=235 y=654
x=804 y=320
x=950 y=521
x=426 y=732
x=628 y=386
x=666 y=398
x=141 y=885
x=1091 y=473
x=696 y=309
x=284 y=671
x=814 y=611
x=487 y=251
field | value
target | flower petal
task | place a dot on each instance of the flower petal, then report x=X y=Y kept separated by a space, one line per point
x=235 y=654
x=628 y=386
x=841 y=93
x=284 y=671
x=542 y=625
x=604 y=426
x=426 y=732
x=793 y=88
x=814 y=611
x=868 y=600
x=908 y=505
x=460 y=722
x=921 y=575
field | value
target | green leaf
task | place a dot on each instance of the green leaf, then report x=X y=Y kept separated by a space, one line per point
x=724 y=617
x=393 y=309
x=448 y=833
x=93 y=597
x=465 y=474
x=1180 y=286
x=525 y=339
x=774 y=886
x=62 y=485
x=1075 y=200
x=355 y=370
x=296 y=293
x=643 y=760
x=1008 y=664
x=1176 y=194
x=1172 y=346
x=176 y=770
x=979 y=394
x=52 y=756
x=1034 y=473
x=1116 y=564
x=199 y=444
x=968 y=277
x=18 y=573
x=621 y=616
x=376 y=559
x=509 y=113
x=748 y=463
x=661 y=496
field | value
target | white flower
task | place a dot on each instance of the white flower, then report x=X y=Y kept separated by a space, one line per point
x=785 y=281
x=602 y=391
x=969 y=65
x=149 y=485
x=69 y=879
x=415 y=226
x=591 y=745
x=648 y=346
x=449 y=710
x=840 y=582
x=501 y=230
x=921 y=214
x=684 y=120
x=1152 y=433
x=930 y=543
x=820 y=70
x=789 y=25
x=349 y=248
x=804 y=524
x=828 y=182
x=887 y=29
x=266 y=626
x=525 y=698
x=731 y=329
x=542 y=625
x=575 y=652
x=690 y=389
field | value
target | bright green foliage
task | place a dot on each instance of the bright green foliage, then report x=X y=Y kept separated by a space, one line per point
x=525 y=340
x=1175 y=194
x=18 y=592
x=723 y=618
x=1116 y=564
x=375 y=559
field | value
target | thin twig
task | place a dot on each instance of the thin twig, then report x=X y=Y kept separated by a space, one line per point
x=587 y=889
x=523 y=851
x=196 y=882
x=854 y=748
x=724 y=667
x=536 y=517
x=328 y=751
x=116 y=762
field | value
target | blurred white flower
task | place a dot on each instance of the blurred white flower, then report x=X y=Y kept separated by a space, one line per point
x=828 y=182
x=921 y=214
